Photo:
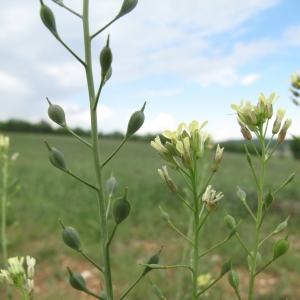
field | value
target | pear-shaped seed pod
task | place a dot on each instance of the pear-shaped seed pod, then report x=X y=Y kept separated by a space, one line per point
x=71 y=238
x=233 y=279
x=257 y=261
x=281 y=246
x=268 y=198
x=127 y=7
x=103 y=295
x=226 y=267
x=56 y=158
x=77 y=281
x=56 y=114
x=230 y=222
x=154 y=259
x=121 y=208
x=135 y=122
x=111 y=185
x=106 y=58
x=48 y=19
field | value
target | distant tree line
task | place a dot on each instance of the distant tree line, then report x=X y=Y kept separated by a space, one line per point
x=15 y=125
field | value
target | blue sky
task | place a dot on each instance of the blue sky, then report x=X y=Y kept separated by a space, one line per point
x=188 y=59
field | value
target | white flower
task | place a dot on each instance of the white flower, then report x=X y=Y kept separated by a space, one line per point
x=30 y=266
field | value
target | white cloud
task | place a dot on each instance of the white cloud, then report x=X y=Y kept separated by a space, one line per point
x=162 y=122
x=13 y=85
x=249 y=79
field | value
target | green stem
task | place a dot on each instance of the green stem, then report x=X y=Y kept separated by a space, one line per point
x=244 y=246
x=108 y=206
x=82 y=180
x=171 y=224
x=206 y=216
x=100 y=30
x=206 y=185
x=213 y=248
x=208 y=287
x=94 y=295
x=249 y=210
x=183 y=201
x=133 y=285
x=271 y=234
x=67 y=8
x=258 y=221
x=112 y=234
x=91 y=261
x=77 y=136
x=165 y=267
x=96 y=155
x=264 y=267
x=272 y=152
x=98 y=95
x=71 y=51
x=182 y=175
x=114 y=153
x=255 y=150
x=3 y=211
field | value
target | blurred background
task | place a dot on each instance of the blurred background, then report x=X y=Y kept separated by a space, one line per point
x=188 y=60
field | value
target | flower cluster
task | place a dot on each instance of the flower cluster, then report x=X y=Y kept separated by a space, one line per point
x=16 y=276
x=252 y=118
x=187 y=143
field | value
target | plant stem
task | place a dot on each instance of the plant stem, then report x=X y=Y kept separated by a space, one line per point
x=179 y=232
x=132 y=286
x=91 y=261
x=114 y=153
x=258 y=221
x=100 y=30
x=95 y=147
x=81 y=180
x=3 y=211
x=77 y=136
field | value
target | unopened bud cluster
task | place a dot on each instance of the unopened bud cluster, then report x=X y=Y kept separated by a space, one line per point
x=16 y=276
x=252 y=117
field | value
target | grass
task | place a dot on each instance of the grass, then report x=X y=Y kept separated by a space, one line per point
x=47 y=194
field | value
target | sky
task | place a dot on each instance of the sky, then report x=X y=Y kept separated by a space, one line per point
x=189 y=60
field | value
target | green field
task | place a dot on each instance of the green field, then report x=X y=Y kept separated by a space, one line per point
x=46 y=194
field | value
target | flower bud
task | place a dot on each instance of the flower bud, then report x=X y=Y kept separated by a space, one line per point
x=295 y=100
x=167 y=179
x=71 y=237
x=233 y=280
x=230 y=222
x=217 y=159
x=127 y=7
x=291 y=177
x=277 y=123
x=283 y=131
x=135 y=122
x=154 y=259
x=77 y=281
x=246 y=133
x=257 y=260
x=121 y=208
x=106 y=58
x=281 y=247
x=226 y=267
x=56 y=158
x=48 y=19
x=56 y=114
x=111 y=185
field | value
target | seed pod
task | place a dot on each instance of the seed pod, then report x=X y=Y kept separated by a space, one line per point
x=136 y=121
x=56 y=114
x=71 y=238
x=230 y=222
x=226 y=267
x=106 y=58
x=257 y=261
x=281 y=246
x=281 y=226
x=241 y=194
x=233 y=280
x=164 y=216
x=56 y=158
x=268 y=198
x=121 y=208
x=127 y=7
x=108 y=75
x=111 y=185
x=103 y=295
x=154 y=259
x=48 y=19
x=77 y=281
